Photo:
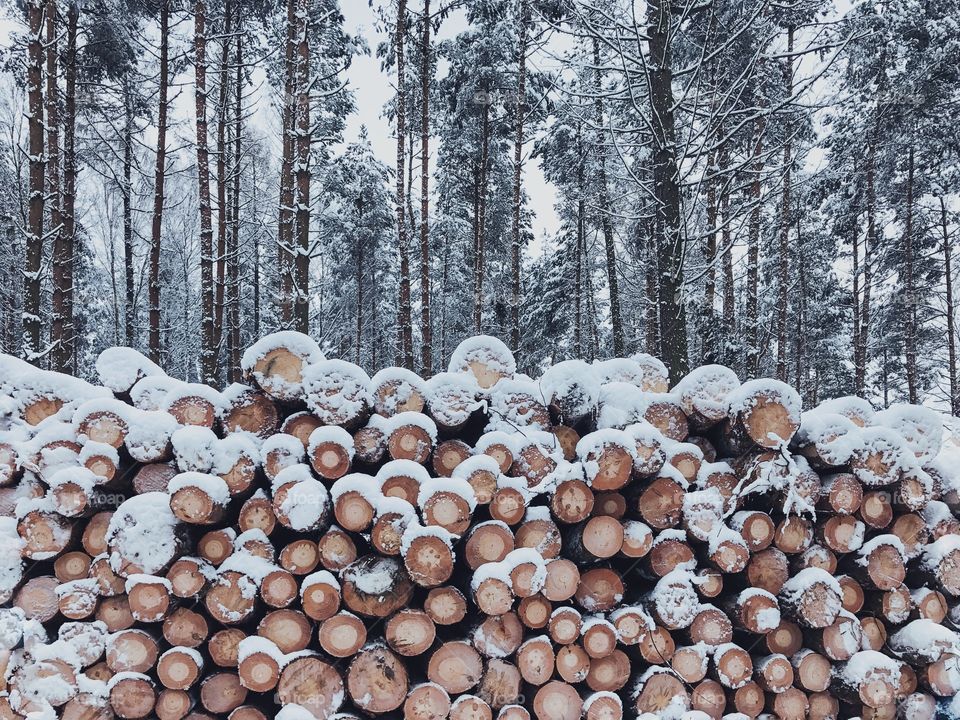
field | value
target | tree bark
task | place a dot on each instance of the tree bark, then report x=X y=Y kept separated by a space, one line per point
x=285 y=222
x=158 y=192
x=481 y=203
x=233 y=250
x=909 y=290
x=64 y=336
x=220 y=273
x=608 y=246
x=519 y=110
x=863 y=337
x=651 y=320
x=208 y=355
x=710 y=257
x=32 y=323
x=404 y=312
x=752 y=319
x=578 y=254
x=129 y=294
x=729 y=291
x=670 y=242
x=301 y=313
x=60 y=256
x=950 y=311
x=783 y=262
x=426 y=328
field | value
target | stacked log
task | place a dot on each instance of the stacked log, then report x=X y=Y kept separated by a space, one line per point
x=318 y=543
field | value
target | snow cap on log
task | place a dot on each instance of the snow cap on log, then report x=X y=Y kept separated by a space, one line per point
x=119 y=368
x=336 y=391
x=571 y=388
x=141 y=535
x=276 y=363
x=704 y=392
x=486 y=357
x=150 y=392
x=768 y=409
x=920 y=427
x=395 y=389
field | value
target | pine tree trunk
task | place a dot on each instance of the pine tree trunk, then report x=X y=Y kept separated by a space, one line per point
x=800 y=361
x=752 y=320
x=709 y=329
x=869 y=242
x=255 y=260
x=519 y=110
x=482 y=215
x=950 y=310
x=783 y=261
x=358 y=280
x=426 y=328
x=404 y=311
x=233 y=251
x=670 y=251
x=578 y=254
x=302 y=173
x=158 y=192
x=34 y=242
x=208 y=355
x=615 y=316
x=855 y=301
x=220 y=273
x=129 y=291
x=729 y=291
x=909 y=290
x=65 y=338
x=651 y=321
x=60 y=257
x=285 y=222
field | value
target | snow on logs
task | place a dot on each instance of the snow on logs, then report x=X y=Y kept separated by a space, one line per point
x=319 y=543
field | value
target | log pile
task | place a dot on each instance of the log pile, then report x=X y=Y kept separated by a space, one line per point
x=318 y=543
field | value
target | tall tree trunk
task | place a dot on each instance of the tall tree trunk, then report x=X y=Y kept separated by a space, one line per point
x=616 y=321
x=158 y=192
x=909 y=290
x=729 y=291
x=800 y=361
x=710 y=258
x=233 y=250
x=578 y=254
x=482 y=215
x=862 y=338
x=950 y=312
x=129 y=291
x=63 y=255
x=255 y=261
x=285 y=222
x=752 y=320
x=358 y=279
x=220 y=274
x=783 y=261
x=60 y=258
x=34 y=241
x=426 y=70
x=303 y=174
x=208 y=354
x=404 y=311
x=858 y=369
x=651 y=320
x=670 y=250
x=519 y=110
